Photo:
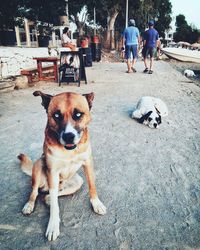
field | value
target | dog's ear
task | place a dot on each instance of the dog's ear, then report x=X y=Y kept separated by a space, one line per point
x=157 y=110
x=45 y=98
x=90 y=98
x=158 y=119
x=145 y=117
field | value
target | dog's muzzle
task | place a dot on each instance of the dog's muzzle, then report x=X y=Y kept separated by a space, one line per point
x=68 y=139
x=155 y=125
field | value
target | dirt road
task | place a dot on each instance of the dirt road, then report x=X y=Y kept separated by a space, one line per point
x=149 y=179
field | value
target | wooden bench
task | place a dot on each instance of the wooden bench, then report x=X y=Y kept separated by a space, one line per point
x=31 y=71
x=40 y=69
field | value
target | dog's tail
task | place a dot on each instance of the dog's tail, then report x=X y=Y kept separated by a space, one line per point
x=26 y=164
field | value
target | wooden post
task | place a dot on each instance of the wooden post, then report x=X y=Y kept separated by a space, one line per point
x=17 y=36
x=27 y=31
x=53 y=38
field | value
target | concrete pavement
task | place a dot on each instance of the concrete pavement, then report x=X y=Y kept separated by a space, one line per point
x=148 y=179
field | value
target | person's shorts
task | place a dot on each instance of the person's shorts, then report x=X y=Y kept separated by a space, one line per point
x=131 y=51
x=148 y=51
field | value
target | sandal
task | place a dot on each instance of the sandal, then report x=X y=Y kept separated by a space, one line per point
x=150 y=72
x=146 y=70
x=128 y=71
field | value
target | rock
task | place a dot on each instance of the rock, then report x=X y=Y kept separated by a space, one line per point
x=21 y=82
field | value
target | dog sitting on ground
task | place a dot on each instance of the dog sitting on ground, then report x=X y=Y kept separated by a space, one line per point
x=149 y=111
x=66 y=148
x=189 y=73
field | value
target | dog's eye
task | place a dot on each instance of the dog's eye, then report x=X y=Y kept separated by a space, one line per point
x=158 y=119
x=149 y=119
x=77 y=115
x=57 y=115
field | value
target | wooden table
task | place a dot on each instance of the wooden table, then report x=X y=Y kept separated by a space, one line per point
x=40 y=60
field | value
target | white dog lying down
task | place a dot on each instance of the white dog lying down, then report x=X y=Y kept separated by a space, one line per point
x=149 y=111
x=189 y=73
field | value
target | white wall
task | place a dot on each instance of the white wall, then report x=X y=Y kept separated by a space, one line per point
x=13 y=59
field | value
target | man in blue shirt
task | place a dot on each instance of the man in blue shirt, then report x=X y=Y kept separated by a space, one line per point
x=150 y=44
x=131 y=41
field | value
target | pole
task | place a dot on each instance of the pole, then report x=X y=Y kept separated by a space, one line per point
x=67 y=12
x=17 y=36
x=126 y=13
x=27 y=31
x=66 y=8
x=94 y=21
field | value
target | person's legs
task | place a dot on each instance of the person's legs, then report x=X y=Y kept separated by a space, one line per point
x=152 y=54
x=128 y=57
x=135 y=54
x=129 y=63
x=151 y=65
x=133 y=64
x=145 y=63
x=145 y=56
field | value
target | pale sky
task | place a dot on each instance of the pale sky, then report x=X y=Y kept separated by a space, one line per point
x=189 y=8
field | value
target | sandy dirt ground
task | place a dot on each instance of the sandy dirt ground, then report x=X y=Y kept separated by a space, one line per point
x=149 y=179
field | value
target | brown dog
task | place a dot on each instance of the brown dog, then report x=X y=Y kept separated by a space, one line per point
x=66 y=148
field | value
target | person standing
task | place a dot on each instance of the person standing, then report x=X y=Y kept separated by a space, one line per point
x=131 y=41
x=150 y=45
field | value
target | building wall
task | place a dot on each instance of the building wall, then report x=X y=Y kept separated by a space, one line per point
x=13 y=59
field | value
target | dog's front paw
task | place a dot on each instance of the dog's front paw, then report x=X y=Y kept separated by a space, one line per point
x=98 y=206
x=53 y=230
x=28 y=208
x=133 y=115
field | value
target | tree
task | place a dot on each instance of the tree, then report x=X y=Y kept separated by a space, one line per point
x=79 y=15
x=185 y=32
x=9 y=10
x=36 y=10
x=106 y=14
x=163 y=15
x=111 y=14
x=46 y=10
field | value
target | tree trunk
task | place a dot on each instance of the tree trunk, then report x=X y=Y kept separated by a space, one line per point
x=80 y=26
x=110 y=40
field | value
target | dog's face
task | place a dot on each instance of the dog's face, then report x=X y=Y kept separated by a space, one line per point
x=189 y=73
x=68 y=116
x=152 y=119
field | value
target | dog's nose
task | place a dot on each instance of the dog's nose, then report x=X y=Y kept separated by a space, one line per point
x=68 y=138
x=155 y=125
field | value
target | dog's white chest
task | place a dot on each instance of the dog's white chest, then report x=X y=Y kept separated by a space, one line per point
x=67 y=166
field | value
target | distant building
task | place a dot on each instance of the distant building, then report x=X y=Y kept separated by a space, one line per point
x=169 y=37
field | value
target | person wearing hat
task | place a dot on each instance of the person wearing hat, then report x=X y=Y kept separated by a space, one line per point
x=149 y=47
x=131 y=41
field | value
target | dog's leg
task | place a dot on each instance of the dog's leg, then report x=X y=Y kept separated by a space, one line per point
x=36 y=183
x=97 y=205
x=68 y=187
x=136 y=114
x=53 y=231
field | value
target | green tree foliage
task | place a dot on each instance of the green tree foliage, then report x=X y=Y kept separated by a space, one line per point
x=140 y=10
x=36 y=10
x=109 y=14
x=163 y=15
x=185 y=32
x=158 y=10
x=9 y=10
x=45 y=10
